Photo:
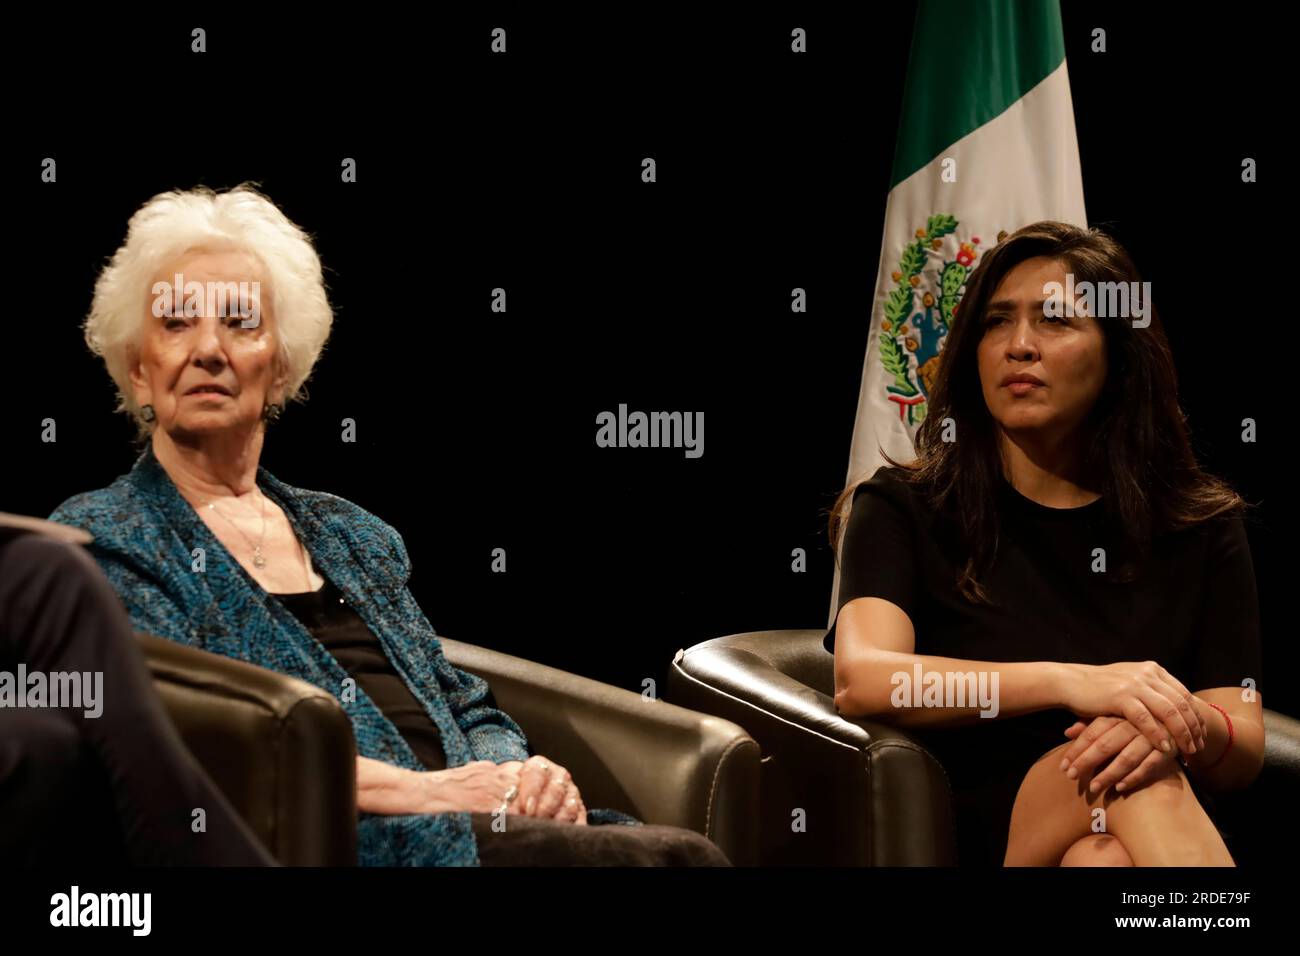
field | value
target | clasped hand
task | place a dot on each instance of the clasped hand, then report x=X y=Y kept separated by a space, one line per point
x=536 y=787
x=1119 y=698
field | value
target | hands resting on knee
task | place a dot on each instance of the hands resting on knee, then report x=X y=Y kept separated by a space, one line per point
x=536 y=787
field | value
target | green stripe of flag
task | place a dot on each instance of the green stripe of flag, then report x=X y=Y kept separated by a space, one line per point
x=970 y=60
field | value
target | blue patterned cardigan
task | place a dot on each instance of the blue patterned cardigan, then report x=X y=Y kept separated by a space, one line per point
x=145 y=533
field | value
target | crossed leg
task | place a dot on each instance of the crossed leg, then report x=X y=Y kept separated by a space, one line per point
x=1097 y=849
x=1159 y=824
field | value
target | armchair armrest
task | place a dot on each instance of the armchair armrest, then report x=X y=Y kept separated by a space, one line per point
x=280 y=749
x=661 y=763
x=870 y=794
x=1260 y=821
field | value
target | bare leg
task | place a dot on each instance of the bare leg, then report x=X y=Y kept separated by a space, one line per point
x=1160 y=824
x=1163 y=824
x=1097 y=849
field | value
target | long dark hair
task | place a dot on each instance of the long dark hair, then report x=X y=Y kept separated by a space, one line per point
x=1138 y=455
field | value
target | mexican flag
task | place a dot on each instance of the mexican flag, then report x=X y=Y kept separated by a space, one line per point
x=986 y=144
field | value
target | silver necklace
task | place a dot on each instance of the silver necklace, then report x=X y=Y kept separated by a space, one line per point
x=259 y=560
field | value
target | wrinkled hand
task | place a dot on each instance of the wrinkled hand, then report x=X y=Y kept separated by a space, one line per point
x=547 y=791
x=479 y=786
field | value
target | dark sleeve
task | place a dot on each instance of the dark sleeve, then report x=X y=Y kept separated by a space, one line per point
x=1228 y=642
x=876 y=559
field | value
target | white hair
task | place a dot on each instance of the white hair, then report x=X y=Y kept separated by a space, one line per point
x=173 y=223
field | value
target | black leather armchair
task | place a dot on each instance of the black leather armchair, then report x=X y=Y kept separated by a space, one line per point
x=282 y=750
x=871 y=794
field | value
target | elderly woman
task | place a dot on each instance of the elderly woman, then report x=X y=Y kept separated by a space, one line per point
x=210 y=318
x=1056 y=539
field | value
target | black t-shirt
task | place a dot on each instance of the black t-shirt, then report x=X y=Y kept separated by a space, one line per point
x=1193 y=609
x=344 y=634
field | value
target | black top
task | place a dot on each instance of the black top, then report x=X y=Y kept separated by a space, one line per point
x=344 y=634
x=1193 y=608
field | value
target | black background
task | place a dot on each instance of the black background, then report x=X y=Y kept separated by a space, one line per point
x=476 y=429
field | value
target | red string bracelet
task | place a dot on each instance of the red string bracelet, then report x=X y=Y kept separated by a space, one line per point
x=1182 y=758
x=1231 y=735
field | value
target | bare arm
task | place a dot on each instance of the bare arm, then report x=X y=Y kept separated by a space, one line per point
x=479 y=786
x=875 y=640
x=383 y=788
x=1244 y=762
x=874 y=648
